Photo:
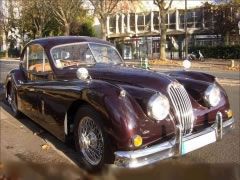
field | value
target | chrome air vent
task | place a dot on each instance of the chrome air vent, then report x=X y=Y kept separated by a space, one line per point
x=182 y=106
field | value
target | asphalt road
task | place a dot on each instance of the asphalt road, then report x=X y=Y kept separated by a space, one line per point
x=25 y=142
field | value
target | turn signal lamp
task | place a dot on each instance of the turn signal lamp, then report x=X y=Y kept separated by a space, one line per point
x=229 y=113
x=137 y=141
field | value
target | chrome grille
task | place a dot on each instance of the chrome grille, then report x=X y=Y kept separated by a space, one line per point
x=182 y=106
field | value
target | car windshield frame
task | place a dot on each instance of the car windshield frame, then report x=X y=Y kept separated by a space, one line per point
x=93 y=53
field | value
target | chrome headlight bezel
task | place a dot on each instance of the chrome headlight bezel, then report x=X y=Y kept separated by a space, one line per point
x=212 y=95
x=158 y=107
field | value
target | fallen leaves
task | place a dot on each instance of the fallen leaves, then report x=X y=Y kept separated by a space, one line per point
x=235 y=68
x=45 y=147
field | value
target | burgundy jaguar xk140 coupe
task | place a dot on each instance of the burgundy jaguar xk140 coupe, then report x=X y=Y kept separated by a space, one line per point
x=78 y=88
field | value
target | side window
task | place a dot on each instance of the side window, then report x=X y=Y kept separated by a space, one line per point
x=25 y=58
x=37 y=59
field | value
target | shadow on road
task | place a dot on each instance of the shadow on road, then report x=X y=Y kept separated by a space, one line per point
x=36 y=129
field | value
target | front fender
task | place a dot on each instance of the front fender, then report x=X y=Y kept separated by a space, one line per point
x=122 y=113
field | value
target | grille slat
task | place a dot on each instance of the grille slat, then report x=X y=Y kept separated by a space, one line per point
x=183 y=109
x=182 y=106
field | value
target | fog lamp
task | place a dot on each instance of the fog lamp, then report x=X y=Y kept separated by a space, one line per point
x=137 y=141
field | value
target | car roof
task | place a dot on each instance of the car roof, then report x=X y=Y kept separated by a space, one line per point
x=49 y=42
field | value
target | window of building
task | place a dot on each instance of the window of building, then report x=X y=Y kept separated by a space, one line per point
x=181 y=19
x=171 y=20
x=199 y=18
x=156 y=20
x=141 y=22
x=155 y=46
x=112 y=24
x=132 y=21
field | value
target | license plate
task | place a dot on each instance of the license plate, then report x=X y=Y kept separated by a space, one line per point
x=198 y=142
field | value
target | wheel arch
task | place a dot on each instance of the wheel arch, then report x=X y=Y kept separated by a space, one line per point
x=71 y=113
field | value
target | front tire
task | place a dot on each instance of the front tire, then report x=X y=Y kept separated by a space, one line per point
x=90 y=139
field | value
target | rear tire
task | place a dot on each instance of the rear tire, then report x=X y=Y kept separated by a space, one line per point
x=11 y=98
x=90 y=139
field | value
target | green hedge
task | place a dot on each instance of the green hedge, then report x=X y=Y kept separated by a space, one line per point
x=222 y=52
x=2 y=53
x=13 y=53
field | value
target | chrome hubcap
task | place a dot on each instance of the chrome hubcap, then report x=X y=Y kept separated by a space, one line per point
x=90 y=140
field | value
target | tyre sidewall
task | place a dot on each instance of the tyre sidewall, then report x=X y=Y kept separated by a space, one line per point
x=90 y=112
x=16 y=112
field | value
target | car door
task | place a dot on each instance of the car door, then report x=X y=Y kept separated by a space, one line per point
x=37 y=70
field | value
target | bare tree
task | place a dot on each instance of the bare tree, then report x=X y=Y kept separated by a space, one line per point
x=65 y=11
x=104 y=8
x=34 y=17
x=164 y=6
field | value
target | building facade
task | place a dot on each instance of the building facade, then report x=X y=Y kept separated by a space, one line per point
x=137 y=34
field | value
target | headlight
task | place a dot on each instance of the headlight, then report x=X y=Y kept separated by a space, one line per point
x=212 y=95
x=158 y=107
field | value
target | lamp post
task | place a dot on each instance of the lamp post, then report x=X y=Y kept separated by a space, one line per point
x=185 y=28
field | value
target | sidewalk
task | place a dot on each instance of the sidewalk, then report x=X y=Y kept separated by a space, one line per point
x=208 y=64
x=217 y=64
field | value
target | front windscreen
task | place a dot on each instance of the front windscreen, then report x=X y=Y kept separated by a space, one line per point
x=84 y=54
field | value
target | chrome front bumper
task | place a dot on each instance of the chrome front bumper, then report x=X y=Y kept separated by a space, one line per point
x=155 y=153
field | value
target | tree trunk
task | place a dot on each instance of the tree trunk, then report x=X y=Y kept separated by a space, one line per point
x=226 y=39
x=163 y=35
x=66 y=29
x=6 y=53
x=103 y=28
x=6 y=41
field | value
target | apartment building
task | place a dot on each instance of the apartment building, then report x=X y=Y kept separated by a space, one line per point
x=136 y=33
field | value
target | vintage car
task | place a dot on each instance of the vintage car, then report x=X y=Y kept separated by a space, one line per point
x=81 y=91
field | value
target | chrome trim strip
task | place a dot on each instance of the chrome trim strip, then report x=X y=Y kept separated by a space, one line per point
x=144 y=152
x=65 y=124
x=228 y=122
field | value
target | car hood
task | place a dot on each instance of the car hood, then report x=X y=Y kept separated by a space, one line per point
x=123 y=75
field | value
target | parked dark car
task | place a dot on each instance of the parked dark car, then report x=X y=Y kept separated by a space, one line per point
x=78 y=88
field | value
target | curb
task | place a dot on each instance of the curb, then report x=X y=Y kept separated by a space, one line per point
x=228 y=81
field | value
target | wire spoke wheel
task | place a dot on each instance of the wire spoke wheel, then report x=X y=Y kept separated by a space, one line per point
x=90 y=140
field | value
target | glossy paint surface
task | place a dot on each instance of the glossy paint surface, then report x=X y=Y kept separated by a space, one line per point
x=47 y=99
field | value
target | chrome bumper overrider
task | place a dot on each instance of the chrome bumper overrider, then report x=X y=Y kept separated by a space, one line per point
x=149 y=155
